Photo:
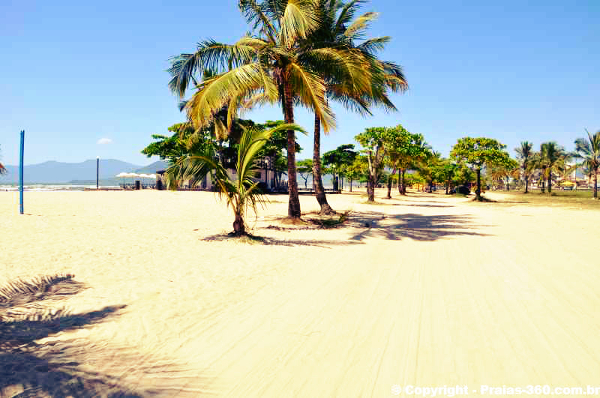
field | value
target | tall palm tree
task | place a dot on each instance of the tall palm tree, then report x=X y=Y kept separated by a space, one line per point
x=346 y=79
x=242 y=192
x=525 y=156
x=589 y=151
x=553 y=159
x=271 y=65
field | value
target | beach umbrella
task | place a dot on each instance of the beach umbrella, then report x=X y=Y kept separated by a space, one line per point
x=121 y=175
x=132 y=176
x=144 y=176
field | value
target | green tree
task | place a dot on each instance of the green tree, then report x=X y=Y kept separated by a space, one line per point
x=305 y=168
x=338 y=160
x=357 y=170
x=447 y=171
x=184 y=140
x=373 y=141
x=463 y=175
x=430 y=169
x=589 y=151
x=241 y=192
x=478 y=153
x=404 y=150
x=357 y=80
x=525 y=155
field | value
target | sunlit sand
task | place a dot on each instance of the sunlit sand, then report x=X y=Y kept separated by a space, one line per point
x=425 y=290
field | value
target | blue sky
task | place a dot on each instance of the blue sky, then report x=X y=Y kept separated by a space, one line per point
x=75 y=72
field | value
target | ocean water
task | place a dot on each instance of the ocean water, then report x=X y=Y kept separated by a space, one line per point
x=50 y=187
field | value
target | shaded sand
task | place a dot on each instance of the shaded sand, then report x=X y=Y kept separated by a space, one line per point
x=424 y=290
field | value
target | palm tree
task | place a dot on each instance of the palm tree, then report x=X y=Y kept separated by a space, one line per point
x=271 y=65
x=525 y=156
x=553 y=158
x=589 y=151
x=241 y=193
x=357 y=81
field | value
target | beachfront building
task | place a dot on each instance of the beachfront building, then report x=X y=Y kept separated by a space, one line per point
x=266 y=176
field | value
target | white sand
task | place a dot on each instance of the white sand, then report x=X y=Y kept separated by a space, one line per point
x=439 y=292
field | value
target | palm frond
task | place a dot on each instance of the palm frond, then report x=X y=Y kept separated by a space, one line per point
x=299 y=19
x=347 y=15
x=210 y=56
x=257 y=14
x=374 y=45
x=357 y=29
x=183 y=67
x=218 y=91
x=311 y=91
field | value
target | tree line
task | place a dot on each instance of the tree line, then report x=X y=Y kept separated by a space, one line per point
x=482 y=161
x=299 y=53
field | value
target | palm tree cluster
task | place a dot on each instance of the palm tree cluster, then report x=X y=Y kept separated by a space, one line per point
x=552 y=162
x=298 y=53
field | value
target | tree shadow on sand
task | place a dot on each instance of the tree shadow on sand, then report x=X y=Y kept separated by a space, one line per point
x=56 y=368
x=363 y=225
x=414 y=226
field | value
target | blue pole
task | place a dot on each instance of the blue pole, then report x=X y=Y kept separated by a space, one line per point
x=21 y=171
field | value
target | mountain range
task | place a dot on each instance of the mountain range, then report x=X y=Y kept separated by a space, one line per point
x=53 y=172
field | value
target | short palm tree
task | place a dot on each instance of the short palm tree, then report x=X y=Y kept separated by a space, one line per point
x=241 y=193
x=525 y=156
x=589 y=151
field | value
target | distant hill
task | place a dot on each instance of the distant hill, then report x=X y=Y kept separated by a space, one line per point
x=64 y=173
x=153 y=168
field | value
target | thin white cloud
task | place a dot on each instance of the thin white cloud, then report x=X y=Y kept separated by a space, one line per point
x=104 y=141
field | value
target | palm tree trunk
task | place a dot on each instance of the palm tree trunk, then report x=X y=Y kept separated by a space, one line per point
x=351 y=184
x=550 y=183
x=447 y=187
x=317 y=178
x=389 y=184
x=371 y=179
x=543 y=181
x=239 y=227
x=401 y=184
x=526 y=184
x=288 y=110
x=371 y=188
x=478 y=190
x=596 y=184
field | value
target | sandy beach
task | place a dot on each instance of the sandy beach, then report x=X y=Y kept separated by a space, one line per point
x=425 y=290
